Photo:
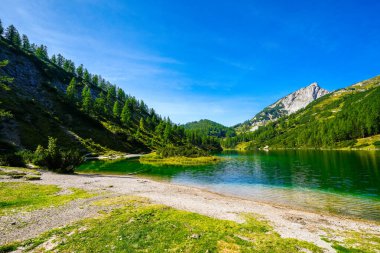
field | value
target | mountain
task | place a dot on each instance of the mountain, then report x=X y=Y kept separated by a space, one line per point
x=284 y=106
x=209 y=128
x=348 y=118
x=42 y=97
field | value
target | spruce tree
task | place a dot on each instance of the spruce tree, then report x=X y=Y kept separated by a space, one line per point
x=25 y=43
x=121 y=95
x=142 y=124
x=86 y=76
x=41 y=52
x=126 y=114
x=80 y=71
x=54 y=59
x=100 y=103
x=71 y=91
x=86 y=99
x=1 y=28
x=116 y=109
x=95 y=80
x=60 y=60
x=13 y=36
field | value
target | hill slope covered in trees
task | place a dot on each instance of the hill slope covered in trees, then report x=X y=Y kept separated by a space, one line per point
x=346 y=118
x=207 y=127
x=44 y=96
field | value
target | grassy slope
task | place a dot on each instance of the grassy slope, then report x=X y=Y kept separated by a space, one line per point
x=41 y=110
x=139 y=226
x=208 y=127
x=321 y=111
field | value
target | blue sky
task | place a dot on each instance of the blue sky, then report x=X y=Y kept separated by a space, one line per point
x=221 y=60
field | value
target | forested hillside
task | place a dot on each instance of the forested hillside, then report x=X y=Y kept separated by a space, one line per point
x=44 y=96
x=207 y=127
x=347 y=118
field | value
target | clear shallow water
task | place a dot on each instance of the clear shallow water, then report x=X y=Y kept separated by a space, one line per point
x=340 y=182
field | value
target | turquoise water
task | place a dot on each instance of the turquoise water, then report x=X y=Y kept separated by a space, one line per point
x=339 y=182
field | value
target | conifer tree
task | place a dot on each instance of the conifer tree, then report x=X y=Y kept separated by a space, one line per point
x=80 y=71
x=142 y=124
x=116 y=109
x=126 y=114
x=41 y=52
x=25 y=43
x=60 y=60
x=99 y=104
x=54 y=59
x=13 y=36
x=69 y=66
x=86 y=99
x=121 y=95
x=1 y=28
x=111 y=94
x=86 y=76
x=71 y=90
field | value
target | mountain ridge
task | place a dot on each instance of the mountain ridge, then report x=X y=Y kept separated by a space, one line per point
x=348 y=118
x=284 y=106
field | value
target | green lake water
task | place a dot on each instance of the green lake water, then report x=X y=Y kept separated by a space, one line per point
x=339 y=182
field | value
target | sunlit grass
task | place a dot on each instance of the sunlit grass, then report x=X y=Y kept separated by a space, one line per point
x=153 y=159
x=354 y=241
x=16 y=196
x=143 y=227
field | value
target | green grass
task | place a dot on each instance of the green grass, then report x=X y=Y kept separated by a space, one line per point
x=153 y=159
x=354 y=241
x=143 y=227
x=17 y=197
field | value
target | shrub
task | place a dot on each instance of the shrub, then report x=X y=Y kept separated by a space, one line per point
x=187 y=151
x=11 y=159
x=55 y=159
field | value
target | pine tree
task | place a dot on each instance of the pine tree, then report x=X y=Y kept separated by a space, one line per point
x=111 y=94
x=100 y=103
x=95 y=80
x=1 y=28
x=116 y=109
x=69 y=66
x=126 y=114
x=142 y=124
x=86 y=76
x=41 y=52
x=80 y=71
x=13 y=36
x=121 y=95
x=54 y=59
x=33 y=47
x=60 y=60
x=86 y=99
x=25 y=43
x=71 y=91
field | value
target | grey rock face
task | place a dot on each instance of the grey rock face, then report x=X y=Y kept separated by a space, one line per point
x=288 y=105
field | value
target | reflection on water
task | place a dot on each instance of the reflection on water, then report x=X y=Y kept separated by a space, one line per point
x=340 y=182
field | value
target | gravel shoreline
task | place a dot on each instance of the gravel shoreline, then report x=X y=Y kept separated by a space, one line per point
x=287 y=222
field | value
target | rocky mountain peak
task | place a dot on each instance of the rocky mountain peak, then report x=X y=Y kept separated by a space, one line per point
x=288 y=105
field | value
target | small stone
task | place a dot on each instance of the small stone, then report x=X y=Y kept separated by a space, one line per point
x=195 y=236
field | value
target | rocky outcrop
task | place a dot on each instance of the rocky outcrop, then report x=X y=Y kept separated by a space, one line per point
x=287 y=105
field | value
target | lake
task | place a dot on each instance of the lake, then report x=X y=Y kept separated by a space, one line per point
x=339 y=182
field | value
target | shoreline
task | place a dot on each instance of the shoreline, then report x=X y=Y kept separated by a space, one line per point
x=288 y=222
x=236 y=196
